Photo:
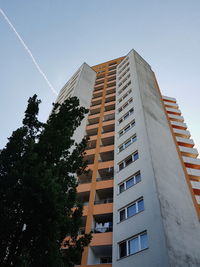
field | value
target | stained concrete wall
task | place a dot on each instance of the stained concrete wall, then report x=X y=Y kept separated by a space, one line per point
x=169 y=215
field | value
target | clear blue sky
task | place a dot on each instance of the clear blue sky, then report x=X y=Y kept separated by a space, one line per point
x=63 y=34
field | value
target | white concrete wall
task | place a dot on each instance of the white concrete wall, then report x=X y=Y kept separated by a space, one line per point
x=83 y=89
x=169 y=215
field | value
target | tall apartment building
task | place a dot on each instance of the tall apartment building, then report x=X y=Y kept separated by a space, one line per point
x=142 y=194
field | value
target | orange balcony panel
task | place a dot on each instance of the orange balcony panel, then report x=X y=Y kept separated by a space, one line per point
x=175 y=113
x=93 y=137
x=106 y=135
x=93 y=126
x=110 y=112
x=104 y=184
x=110 y=95
x=179 y=127
x=97 y=93
x=96 y=99
x=106 y=164
x=83 y=187
x=103 y=208
x=108 y=122
x=95 y=107
x=106 y=148
x=110 y=103
x=193 y=166
x=90 y=117
x=90 y=152
x=101 y=239
x=196 y=191
x=185 y=144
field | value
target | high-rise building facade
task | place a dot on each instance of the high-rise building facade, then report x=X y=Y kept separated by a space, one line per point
x=142 y=194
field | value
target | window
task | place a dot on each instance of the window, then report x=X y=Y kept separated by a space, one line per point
x=131 y=209
x=125 y=105
x=127 y=128
x=131 y=181
x=133 y=245
x=122 y=69
x=128 y=160
x=124 y=73
x=123 y=62
x=124 y=80
x=125 y=95
x=124 y=117
x=127 y=143
x=124 y=87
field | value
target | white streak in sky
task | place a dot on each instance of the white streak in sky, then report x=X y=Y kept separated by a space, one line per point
x=29 y=52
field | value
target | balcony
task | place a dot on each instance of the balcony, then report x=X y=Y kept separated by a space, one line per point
x=108 y=155
x=184 y=142
x=96 y=101
x=110 y=97
x=179 y=125
x=188 y=152
x=173 y=117
x=193 y=173
x=100 y=255
x=91 y=144
x=108 y=126
x=107 y=141
x=181 y=133
x=98 y=88
x=170 y=104
x=83 y=197
x=173 y=111
x=95 y=109
x=92 y=129
x=108 y=172
x=93 y=119
x=195 y=185
x=103 y=183
x=104 y=196
x=169 y=99
x=97 y=94
x=192 y=162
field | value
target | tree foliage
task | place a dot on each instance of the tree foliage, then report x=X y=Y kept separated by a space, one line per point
x=38 y=202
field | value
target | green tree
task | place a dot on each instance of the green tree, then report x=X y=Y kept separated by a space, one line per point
x=38 y=169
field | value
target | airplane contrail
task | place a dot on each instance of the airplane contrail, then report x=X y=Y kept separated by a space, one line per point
x=29 y=52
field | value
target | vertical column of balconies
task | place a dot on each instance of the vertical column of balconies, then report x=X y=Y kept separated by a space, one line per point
x=95 y=190
x=185 y=144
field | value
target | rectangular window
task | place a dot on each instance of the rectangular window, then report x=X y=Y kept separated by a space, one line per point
x=124 y=117
x=133 y=245
x=127 y=128
x=128 y=160
x=125 y=105
x=131 y=209
x=125 y=95
x=127 y=143
x=124 y=87
x=131 y=181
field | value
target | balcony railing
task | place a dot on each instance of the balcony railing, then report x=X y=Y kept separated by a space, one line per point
x=102 y=229
x=103 y=179
x=104 y=201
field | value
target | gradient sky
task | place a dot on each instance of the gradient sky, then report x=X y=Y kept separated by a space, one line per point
x=62 y=34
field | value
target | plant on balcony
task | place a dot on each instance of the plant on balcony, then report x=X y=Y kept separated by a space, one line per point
x=38 y=189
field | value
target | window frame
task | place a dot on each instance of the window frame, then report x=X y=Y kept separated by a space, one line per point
x=127 y=244
x=128 y=141
x=124 y=183
x=125 y=209
x=124 y=161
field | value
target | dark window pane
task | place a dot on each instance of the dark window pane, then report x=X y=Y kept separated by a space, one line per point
x=131 y=210
x=122 y=249
x=138 y=177
x=141 y=205
x=121 y=188
x=144 y=241
x=121 y=166
x=136 y=156
x=122 y=215
x=128 y=161
x=129 y=183
x=133 y=246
